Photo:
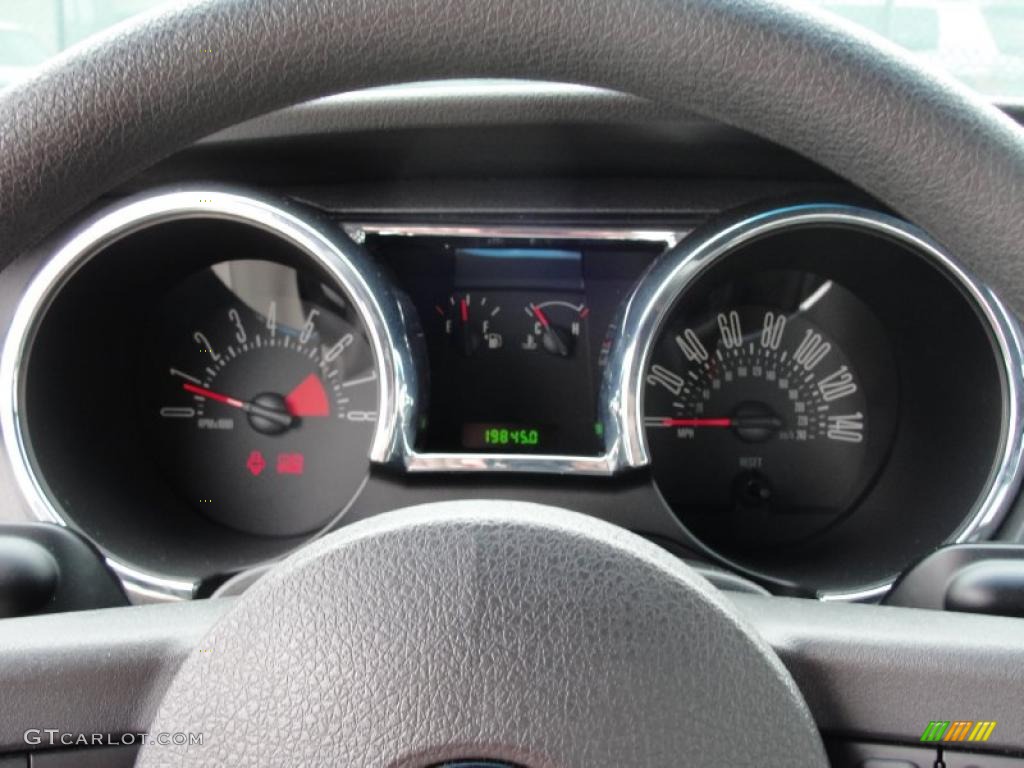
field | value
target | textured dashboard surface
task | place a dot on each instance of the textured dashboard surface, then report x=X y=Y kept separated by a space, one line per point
x=937 y=154
x=93 y=671
x=446 y=103
x=485 y=629
x=479 y=103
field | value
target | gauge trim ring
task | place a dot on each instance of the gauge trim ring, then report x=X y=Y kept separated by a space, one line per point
x=654 y=299
x=379 y=310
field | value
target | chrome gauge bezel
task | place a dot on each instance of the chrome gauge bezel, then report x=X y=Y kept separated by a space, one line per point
x=613 y=459
x=671 y=276
x=335 y=254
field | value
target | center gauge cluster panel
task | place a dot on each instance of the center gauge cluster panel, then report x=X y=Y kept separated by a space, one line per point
x=517 y=324
x=811 y=396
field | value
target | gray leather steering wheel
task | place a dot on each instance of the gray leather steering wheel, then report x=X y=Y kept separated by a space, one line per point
x=484 y=630
x=498 y=646
x=928 y=148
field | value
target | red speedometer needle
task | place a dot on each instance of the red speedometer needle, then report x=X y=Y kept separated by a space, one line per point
x=721 y=423
x=280 y=418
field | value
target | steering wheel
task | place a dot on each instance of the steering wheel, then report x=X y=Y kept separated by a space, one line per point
x=492 y=630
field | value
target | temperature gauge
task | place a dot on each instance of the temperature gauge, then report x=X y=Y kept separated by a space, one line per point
x=556 y=327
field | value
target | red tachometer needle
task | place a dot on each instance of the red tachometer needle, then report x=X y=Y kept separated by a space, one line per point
x=464 y=310
x=721 y=423
x=215 y=396
x=275 y=416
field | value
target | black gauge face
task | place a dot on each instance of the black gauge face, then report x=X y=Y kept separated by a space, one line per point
x=517 y=331
x=262 y=397
x=764 y=427
x=513 y=373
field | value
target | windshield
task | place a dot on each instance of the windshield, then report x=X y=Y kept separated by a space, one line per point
x=979 y=41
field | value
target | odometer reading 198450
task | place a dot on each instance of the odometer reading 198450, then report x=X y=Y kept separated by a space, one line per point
x=751 y=412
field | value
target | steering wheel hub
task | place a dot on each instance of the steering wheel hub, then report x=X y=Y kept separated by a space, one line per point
x=496 y=631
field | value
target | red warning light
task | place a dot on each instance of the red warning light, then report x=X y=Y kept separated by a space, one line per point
x=256 y=463
x=290 y=463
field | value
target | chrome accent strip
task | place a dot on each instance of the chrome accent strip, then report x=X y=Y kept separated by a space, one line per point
x=371 y=295
x=605 y=464
x=670 y=237
x=146 y=587
x=466 y=87
x=650 y=305
x=865 y=595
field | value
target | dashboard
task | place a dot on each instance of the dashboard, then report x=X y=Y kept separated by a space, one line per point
x=609 y=401
x=810 y=395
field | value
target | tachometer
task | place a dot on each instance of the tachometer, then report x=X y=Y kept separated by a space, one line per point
x=208 y=376
x=264 y=396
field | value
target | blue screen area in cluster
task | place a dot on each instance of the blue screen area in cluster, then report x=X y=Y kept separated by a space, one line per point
x=510 y=268
x=522 y=253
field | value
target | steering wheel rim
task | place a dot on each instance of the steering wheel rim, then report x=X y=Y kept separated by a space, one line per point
x=927 y=147
x=920 y=143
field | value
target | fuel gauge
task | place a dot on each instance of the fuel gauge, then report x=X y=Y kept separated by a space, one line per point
x=470 y=323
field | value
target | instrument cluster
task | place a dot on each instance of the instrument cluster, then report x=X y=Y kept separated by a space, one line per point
x=815 y=396
x=516 y=327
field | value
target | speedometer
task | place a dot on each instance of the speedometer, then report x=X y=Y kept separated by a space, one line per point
x=765 y=409
x=822 y=396
x=750 y=390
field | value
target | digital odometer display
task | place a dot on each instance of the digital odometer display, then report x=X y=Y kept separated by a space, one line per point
x=505 y=437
